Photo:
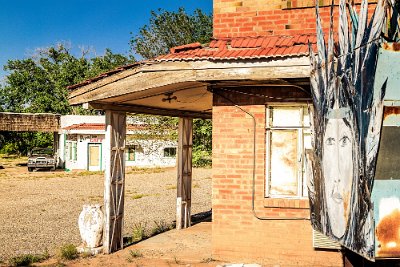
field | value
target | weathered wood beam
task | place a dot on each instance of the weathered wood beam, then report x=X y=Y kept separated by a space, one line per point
x=114 y=185
x=150 y=110
x=170 y=73
x=184 y=184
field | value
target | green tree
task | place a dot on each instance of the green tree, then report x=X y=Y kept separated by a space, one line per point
x=38 y=84
x=168 y=29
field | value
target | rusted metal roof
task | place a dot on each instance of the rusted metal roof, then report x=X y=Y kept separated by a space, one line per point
x=239 y=48
x=243 y=48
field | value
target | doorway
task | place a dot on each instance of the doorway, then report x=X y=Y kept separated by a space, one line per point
x=94 y=157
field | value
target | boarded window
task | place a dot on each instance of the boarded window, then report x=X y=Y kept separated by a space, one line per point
x=288 y=135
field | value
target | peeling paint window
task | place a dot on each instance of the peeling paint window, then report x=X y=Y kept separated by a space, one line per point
x=288 y=136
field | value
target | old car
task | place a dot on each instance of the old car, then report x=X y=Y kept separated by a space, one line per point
x=41 y=158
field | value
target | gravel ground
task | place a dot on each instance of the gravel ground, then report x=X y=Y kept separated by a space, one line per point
x=40 y=210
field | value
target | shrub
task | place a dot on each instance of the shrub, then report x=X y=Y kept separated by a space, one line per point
x=28 y=259
x=138 y=232
x=201 y=159
x=160 y=227
x=68 y=252
x=135 y=254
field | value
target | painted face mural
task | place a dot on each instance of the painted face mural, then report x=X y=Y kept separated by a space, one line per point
x=337 y=168
x=346 y=126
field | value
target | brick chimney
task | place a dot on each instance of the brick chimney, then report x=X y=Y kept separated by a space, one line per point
x=244 y=18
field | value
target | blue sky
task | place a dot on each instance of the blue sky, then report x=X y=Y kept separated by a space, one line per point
x=99 y=24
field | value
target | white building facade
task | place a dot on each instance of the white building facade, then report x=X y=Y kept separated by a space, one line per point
x=82 y=143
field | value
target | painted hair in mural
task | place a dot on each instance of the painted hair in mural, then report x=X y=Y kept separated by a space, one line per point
x=347 y=118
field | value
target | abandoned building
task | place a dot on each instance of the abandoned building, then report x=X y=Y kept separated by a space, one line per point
x=82 y=140
x=253 y=80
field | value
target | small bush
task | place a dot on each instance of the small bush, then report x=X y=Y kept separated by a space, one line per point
x=201 y=159
x=68 y=252
x=160 y=227
x=138 y=232
x=135 y=254
x=28 y=259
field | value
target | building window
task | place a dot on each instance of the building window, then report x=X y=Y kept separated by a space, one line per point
x=131 y=153
x=72 y=151
x=288 y=138
x=169 y=152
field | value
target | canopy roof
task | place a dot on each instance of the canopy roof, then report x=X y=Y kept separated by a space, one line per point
x=179 y=84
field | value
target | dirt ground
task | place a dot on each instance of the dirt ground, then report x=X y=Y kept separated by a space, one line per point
x=39 y=212
x=188 y=247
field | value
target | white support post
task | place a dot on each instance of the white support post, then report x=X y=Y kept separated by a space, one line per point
x=61 y=150
x=56 y=147
x=184 y=184
x=114 y=185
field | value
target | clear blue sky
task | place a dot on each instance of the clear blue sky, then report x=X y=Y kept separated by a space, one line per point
x=100 y=24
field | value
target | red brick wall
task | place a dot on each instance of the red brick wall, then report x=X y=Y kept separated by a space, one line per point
x=243 y=18
x=237 y=235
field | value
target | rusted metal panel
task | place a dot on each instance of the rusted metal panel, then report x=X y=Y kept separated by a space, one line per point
x=388 y=68
x=386 y=190
x=386 y=197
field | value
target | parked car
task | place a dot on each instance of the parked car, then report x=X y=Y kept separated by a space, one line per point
x=41 y=158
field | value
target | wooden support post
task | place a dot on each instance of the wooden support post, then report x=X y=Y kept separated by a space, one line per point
x=184 y=185
x=114 y=185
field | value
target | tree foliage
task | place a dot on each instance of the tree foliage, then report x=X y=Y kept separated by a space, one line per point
x=168 y=29
x=38 y=84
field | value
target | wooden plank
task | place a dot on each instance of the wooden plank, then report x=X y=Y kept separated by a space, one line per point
x=150 y=110
x=166 y=74
x=114 y=185
x=184 y=183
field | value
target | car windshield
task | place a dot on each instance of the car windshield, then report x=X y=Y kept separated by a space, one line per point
x=42 y=151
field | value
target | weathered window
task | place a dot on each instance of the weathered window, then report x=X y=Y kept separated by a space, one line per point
x=170 y=152
x=71 y=150
x=288 y=137
x=130 y=154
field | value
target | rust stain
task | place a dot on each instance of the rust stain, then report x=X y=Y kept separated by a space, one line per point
x=391 y=46
x=390 y=111
x=346 y=199
x=388 y=235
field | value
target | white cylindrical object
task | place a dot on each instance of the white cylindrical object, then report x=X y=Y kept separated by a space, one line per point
x=91 y=225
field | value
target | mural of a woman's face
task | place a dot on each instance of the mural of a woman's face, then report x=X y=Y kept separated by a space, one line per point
x=337 y=166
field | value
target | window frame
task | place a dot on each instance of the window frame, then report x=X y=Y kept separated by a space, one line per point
x=72 y=150
x=131 y=150
x=302 y=131
x=169 y=147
